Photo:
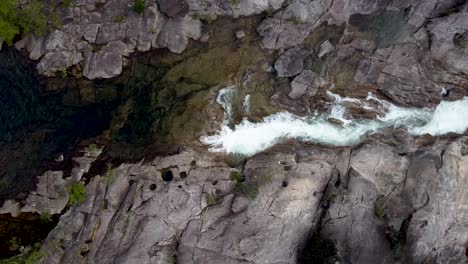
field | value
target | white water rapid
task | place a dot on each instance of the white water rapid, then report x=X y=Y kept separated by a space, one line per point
x=249 y=138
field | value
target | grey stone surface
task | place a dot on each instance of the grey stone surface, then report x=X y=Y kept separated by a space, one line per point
x=173 y=8
x=291 y=62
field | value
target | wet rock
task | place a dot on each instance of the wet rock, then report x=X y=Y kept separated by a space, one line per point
x=325 y=48
x=335 y=121
x=464 y=151
x=306 y=83
x=174 y=9
x=175 y=33
x=278 y=34
x=240 y=34
x=33 y=46
x=51 y=194
x=448 y=41
x=291 y=62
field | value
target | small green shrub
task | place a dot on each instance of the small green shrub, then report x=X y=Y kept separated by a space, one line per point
x=66 y=3
x=236 y=176
x=15 y=244
x=29 y=18
x=109 y=175
x=208 y=19
x=55 y=21
x=250 y=190
x=76 y=193
x=139 y=6
x=8 y=21
x=76 y=73
x=64 y=72
x=269 y=12
x=379 y=211
x=93 y=149
x=234 y=2
x=119 y=19
x=33 y=20
x=33 y=256
x=45 y=218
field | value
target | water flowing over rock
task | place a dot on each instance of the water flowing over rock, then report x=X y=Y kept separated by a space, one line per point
x=314 y=131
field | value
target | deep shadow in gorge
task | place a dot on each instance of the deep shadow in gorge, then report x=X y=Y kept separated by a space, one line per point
x=36 y=126
x=41 y=119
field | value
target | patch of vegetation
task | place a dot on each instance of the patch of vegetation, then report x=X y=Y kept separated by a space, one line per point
x=379 y=211
x=139 y=6
x=64 y=72
x=76 y=193
x=109 y=175
x=379 y=207
x=208 y=19
x=15 y=244
x=211 y=199
x=234 y=160
x=119 y=19
x=66 y=3
x=45 y=217
x=234 y=2
x=249 y=190
x=27 y=257
x=172 y=259
x=269 y=12
x=93 y=149
x=76 y=73
x=32 y=18
x=236 y=176
x=55 y=21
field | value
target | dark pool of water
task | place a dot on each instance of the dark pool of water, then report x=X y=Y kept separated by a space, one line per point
x=36 y=125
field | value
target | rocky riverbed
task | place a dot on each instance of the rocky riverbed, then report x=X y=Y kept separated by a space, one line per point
x=219 y=132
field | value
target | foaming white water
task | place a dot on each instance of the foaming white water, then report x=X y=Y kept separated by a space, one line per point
x=246 y=104
x=447 y=117
x=224 y=98
x=249 y=138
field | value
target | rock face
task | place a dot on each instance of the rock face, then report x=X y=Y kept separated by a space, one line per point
x=51 y=195
x=175 y=9
x=204 y=214
x=392 y=199
x=372 y=203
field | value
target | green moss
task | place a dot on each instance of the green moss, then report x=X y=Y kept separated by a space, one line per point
x=236 y=176
x=30 y=257
x=76 y=73
x=55 y=21
x=66 y=3
x=64 y=72
x=29 y=18
x=211 y=200
x=109 y=175
x=45 y=217
x=76 y=193
x=33 y=20
x=249 y=190
x=385 y=27
x=379 y=211
x=269 y=12
x=93 y=148
x=139 y=6
x=119 y=19
x=208 y=19
x=8 y=20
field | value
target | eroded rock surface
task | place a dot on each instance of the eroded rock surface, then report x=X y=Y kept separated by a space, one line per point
x=392 y=199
